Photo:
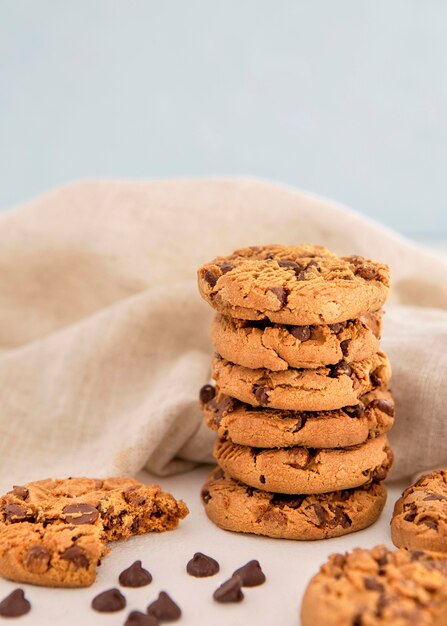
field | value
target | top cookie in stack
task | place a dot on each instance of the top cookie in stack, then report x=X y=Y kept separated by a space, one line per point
x=302 y=402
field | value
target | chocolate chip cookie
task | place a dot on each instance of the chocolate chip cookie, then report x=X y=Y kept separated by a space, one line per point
x=234 y=506
x=377 y=587
x=297 y=285
x=260 y=427
x=277 y=347
x=53 y=532
x=321 y=389
x=305 y=470
x=420 y=515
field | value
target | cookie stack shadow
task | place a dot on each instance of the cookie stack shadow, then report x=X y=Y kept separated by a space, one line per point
x=301 y=402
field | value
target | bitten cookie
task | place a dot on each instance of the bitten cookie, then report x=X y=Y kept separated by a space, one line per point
x=321 y=389
x=277 y=347
x=294 y=285
x=234 y=506
x=274 y=428
x=305 y=470
x=53 y=532
x=420 y=515
x=377 y=587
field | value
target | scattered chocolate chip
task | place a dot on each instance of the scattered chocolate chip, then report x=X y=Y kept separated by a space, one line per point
x=137 y=618
x=134 y=496
x=335 y=328
x=281 y=294
x=250 y=574
x=80 y=513
x=302 y=333
x=20 y=492
x=261 y=394
x=202 y=566
x=207 y=393
x=37 y=559
x=15 y=605
x=383 y=405
x=355 y=411
x=372 y=584
x=77 y=556
x=210 y=278
x=340 y=369
x=286 y=263
x=262 y=479
x=15 y=513
x=164 y=608
x=229 y=591
x=109 y=601
x=135 y=576
x=205 y=495
x=226 y=267
x=344 y=345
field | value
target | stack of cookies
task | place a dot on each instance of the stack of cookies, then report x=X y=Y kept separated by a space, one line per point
x=301 y=404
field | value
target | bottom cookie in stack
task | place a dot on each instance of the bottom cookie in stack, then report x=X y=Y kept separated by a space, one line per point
x=231 y=505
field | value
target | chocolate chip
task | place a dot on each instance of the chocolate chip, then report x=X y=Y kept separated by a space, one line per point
x=320 y=513
x=206 y=496
x=291 y=501
x=281 y=294
x=227 y=405
x=434 y=496
x=210 y=278
x=411 y=515
x=262 y=479
x=376 y=378
x=415 y=555
x=229 y=591
x=300 y=423
x=250 y=574
x=20 y=492
x=335 y=328
x=164 y=608
x=286 y=263
x=380 y=473
x=207 y=393
x=250 y=491
x=202 y=566
x=226 y=267
x=339 y=560
x=137 y=618
x=383 y=405
x=300 y=274
x=275 y=517
x=109 y=601
x=77 y=556
x=357 y=620
x=302 y=333
x=382 y=560
x=135 y=576
x=261 y=394
x=367 y=272
x=355 y=411
x=340 y=369
x=372 y=584
x=134 y=495
x=15 y=513
x=344 y=345
x=218 y=474
x=80 y=513
x=15 y=605
x=430 y=522
x=37 y=559
x=340 y=517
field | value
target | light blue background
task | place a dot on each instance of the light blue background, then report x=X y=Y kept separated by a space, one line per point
x=346 y=98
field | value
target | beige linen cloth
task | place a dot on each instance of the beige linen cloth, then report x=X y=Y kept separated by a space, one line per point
x=104 y=340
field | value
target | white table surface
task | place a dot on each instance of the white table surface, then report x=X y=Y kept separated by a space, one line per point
x=288 y=566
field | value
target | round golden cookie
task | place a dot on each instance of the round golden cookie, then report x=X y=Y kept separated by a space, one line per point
x=53 y=532
x=321 y=389
x=294 y=284
x=377 y=587
x=275 y=428
x=277 y=347
x=234 y=506
x=420 y=515
x=305 y=470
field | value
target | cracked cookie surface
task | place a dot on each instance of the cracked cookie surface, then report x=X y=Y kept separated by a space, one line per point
x=260 y=427
x=53 y=532
x=321 y=389
x=377 y=587
x=294 y=284
x=277 y=347
x=236 y=507
x=420 y=515
x=305 y=470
